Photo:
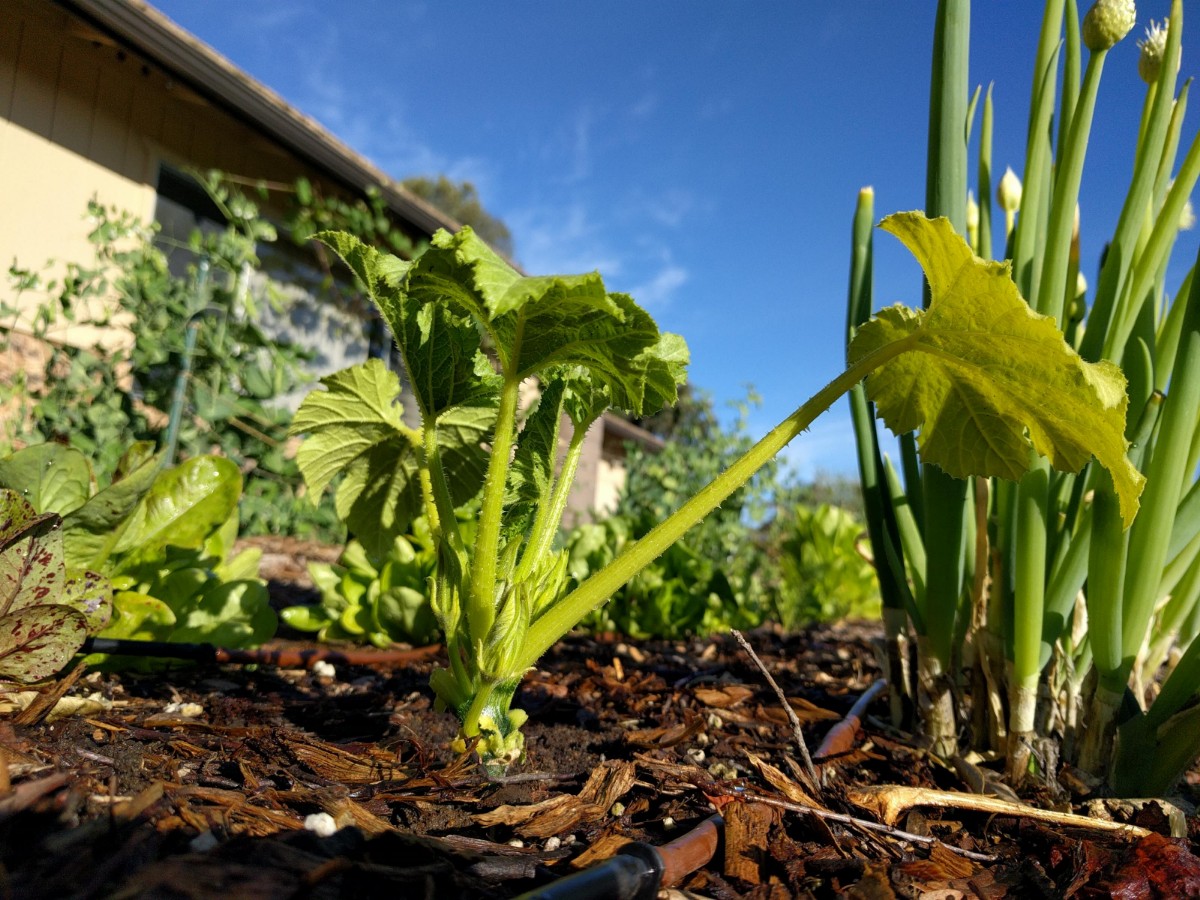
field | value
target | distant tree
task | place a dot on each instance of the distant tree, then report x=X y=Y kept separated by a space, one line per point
x=692 y=419
x=461 y=202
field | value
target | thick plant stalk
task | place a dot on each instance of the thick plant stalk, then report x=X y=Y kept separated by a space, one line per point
x=1052 y=294
x=945 y=498
x=1157 y=248
x=1037 y=152
x=1106 y=307
x=1104 y=603
x=566 y=613
x=1150 y=536
x=481 y=607
x=984 y=177
x=1032 y=537
x=1029 y=606
x=889 y=564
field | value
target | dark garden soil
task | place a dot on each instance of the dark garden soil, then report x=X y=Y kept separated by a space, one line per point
x=198 y=781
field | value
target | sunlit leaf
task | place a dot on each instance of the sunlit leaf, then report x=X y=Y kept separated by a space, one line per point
x=91 y=532
x=355 y=429
x=993 y=378
x=53 y=478
x=182 y=508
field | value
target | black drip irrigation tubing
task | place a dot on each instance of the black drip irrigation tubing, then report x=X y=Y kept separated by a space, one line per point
x=638 y=870
x=285 y=657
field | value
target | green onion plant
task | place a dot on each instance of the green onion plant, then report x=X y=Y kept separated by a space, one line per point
x=1047 y=583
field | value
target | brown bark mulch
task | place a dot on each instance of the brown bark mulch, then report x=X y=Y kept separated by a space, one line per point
x=198 y=781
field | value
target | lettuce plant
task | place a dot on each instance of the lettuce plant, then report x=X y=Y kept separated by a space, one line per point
x=381 y=600
x=978 y=372
x=162 y=538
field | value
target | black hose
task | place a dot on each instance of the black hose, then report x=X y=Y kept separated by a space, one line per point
x=638 y=870
x=635 y=873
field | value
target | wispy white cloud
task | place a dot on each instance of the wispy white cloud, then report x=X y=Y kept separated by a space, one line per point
x=561 y=239
x=644 y=106
x=657 y=292
x=716 y=106
x=580 y=166
x=670 y=207
x=387 y=139
x=572 y=229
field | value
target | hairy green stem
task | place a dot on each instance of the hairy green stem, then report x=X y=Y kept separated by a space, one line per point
x=549 y=515
x=481 y=609
x=566 y=613
x=439 y=506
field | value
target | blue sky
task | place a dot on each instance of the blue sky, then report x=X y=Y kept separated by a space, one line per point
x=704 y=156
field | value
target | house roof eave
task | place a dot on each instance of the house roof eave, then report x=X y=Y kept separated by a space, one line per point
x=180 y=53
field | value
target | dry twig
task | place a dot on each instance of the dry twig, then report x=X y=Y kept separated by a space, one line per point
x=787 y=708
x=889 y=802
x=889 y=830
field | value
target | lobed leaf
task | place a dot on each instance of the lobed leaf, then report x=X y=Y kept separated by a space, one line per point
x=355 y=429
x=993 y=378
x=357 y=412
x=441 y=349
x=539 y=322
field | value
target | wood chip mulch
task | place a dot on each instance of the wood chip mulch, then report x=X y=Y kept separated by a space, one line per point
x=219 y=781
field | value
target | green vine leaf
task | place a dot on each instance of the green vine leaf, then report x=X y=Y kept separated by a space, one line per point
x=440 y=348
x=993 y=378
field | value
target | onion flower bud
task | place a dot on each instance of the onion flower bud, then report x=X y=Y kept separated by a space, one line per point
x=1106 y=23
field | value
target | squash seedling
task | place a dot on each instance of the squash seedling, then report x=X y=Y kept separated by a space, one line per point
x=977 y=372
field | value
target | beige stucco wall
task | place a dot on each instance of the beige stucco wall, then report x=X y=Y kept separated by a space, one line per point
x=81 y=117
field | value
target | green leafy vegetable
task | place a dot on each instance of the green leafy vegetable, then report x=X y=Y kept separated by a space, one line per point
x=499 y=597
x=163 y=537
x=46 y=613
x=381 y=600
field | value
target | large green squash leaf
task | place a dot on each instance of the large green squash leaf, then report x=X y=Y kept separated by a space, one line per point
x=994 y=378
x=354 y=428
x=440 y=347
